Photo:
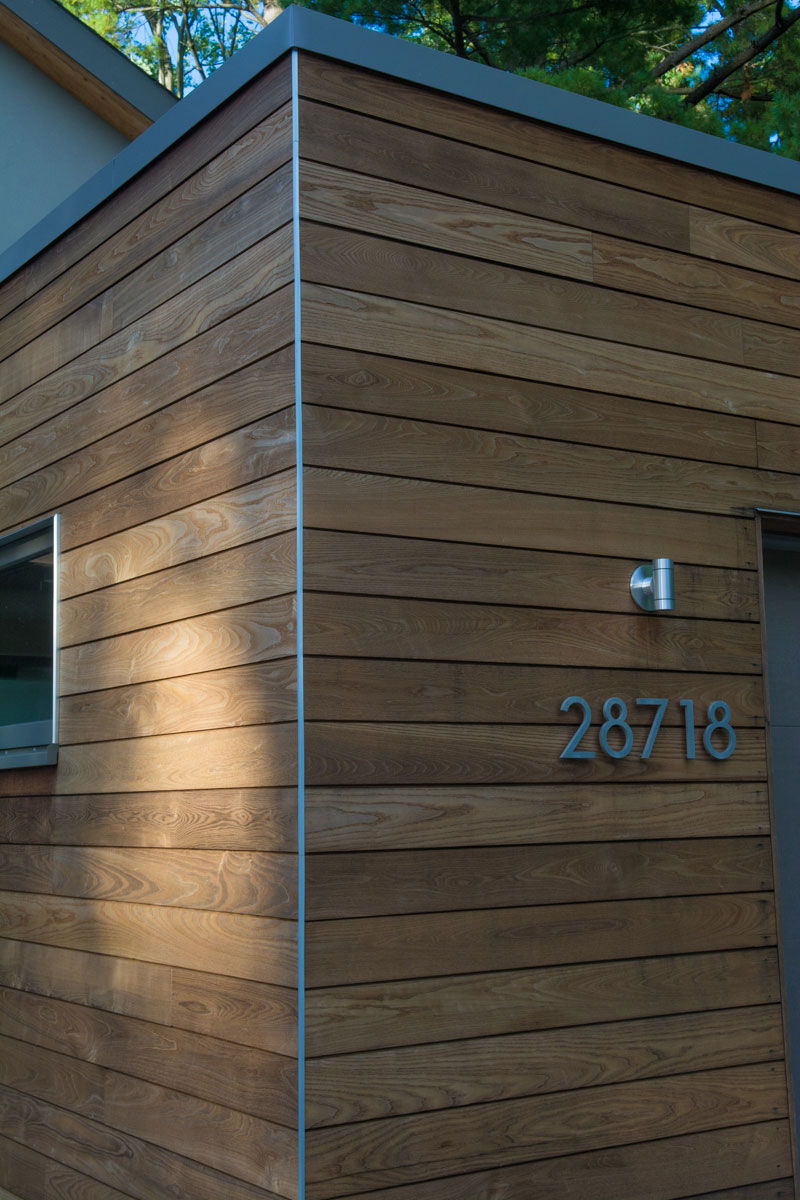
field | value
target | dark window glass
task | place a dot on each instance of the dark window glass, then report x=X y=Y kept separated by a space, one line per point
x=26 y=641
x=28 y=715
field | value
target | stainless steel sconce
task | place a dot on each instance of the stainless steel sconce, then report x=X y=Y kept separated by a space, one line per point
x=653 y=585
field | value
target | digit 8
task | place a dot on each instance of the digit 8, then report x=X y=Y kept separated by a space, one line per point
x=616 y=722
x=715 y=723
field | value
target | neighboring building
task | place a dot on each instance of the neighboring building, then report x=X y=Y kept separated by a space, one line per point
x=69 y=102
x=378 y=846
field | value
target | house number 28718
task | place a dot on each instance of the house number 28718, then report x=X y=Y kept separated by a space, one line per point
x=616 y=736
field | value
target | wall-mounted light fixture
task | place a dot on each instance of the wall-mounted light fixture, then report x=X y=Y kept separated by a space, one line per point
x=653 y=585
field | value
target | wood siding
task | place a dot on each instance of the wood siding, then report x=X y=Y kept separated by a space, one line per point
x=529 y=363
x=148 y=961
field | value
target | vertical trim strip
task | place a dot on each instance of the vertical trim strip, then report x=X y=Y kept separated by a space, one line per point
x=56 y=599
x=301 y=855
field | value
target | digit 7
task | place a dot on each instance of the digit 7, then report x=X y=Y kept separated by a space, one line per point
x=660 y=705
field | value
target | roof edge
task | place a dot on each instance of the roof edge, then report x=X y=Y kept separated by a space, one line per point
x=471 y=80
x=303 y=29
x=93 y=55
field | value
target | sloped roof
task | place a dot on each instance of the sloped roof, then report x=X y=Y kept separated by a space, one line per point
x=84 y=64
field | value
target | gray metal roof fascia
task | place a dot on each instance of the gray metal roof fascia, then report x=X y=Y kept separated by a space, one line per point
x=541 y=101
x=97 y=56
x=303 y=29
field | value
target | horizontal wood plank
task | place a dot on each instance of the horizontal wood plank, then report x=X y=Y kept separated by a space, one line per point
x=427 y=391
x=378 y=206
x=252 y=571
x=117 y=984
x=357 y=1017
x=145 y=398
x=228 y=232
x=248 y=277
x=363 y=950
x=219 y=819
x=423 y=569
x=254 y=1081
x=254 y=511
x=223 y=881
x=245 y=695
x=378 y=627
x=364 y=885
x=778 y=1189
x=354 y=260
x=146 y=1171
x=396 y=818
x=778 y=446
x=250 y=1148
x=359 y=753
x=355 y=441
x=361 y=321
x=421 y=159
x=30 y=1173
x=715 y=285
x=238 y=1010
x=650 y=1170
x=248 y=337
x=258 y=391
x=63 y=1184
x=252 y=453
x=361 y=1087
x=390 y=818
x=255 y=756
x=233 y=637
x=418 y=1147
x=4 y=1195
x=257 y=948
x=753 y=244
x=379 y=504
x=23 y=1170
x=396 y=690
x=232 y=1009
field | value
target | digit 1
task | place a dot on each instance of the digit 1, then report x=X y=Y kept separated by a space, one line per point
x=688 y=720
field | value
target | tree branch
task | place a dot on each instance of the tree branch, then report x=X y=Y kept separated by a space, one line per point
x=753 y=50
x=194 y=52
x=728 y=93
x=707 y=35
x=481 y=49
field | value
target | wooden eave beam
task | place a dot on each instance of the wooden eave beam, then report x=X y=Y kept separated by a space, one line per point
x=71 y=76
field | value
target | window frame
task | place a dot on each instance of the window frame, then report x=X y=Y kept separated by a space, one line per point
x=33 y=743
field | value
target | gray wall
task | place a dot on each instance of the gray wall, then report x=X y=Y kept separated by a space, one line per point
x=49 y=145
x=782 y=621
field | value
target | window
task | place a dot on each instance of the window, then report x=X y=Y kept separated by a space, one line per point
x=28 y=678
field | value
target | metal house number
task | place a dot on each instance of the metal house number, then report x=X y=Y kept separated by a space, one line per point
x=616 y=736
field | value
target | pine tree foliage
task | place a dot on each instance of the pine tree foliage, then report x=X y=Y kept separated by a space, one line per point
x=729 y=67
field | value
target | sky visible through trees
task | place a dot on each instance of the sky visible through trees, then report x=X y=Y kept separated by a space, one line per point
x=731 y=68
